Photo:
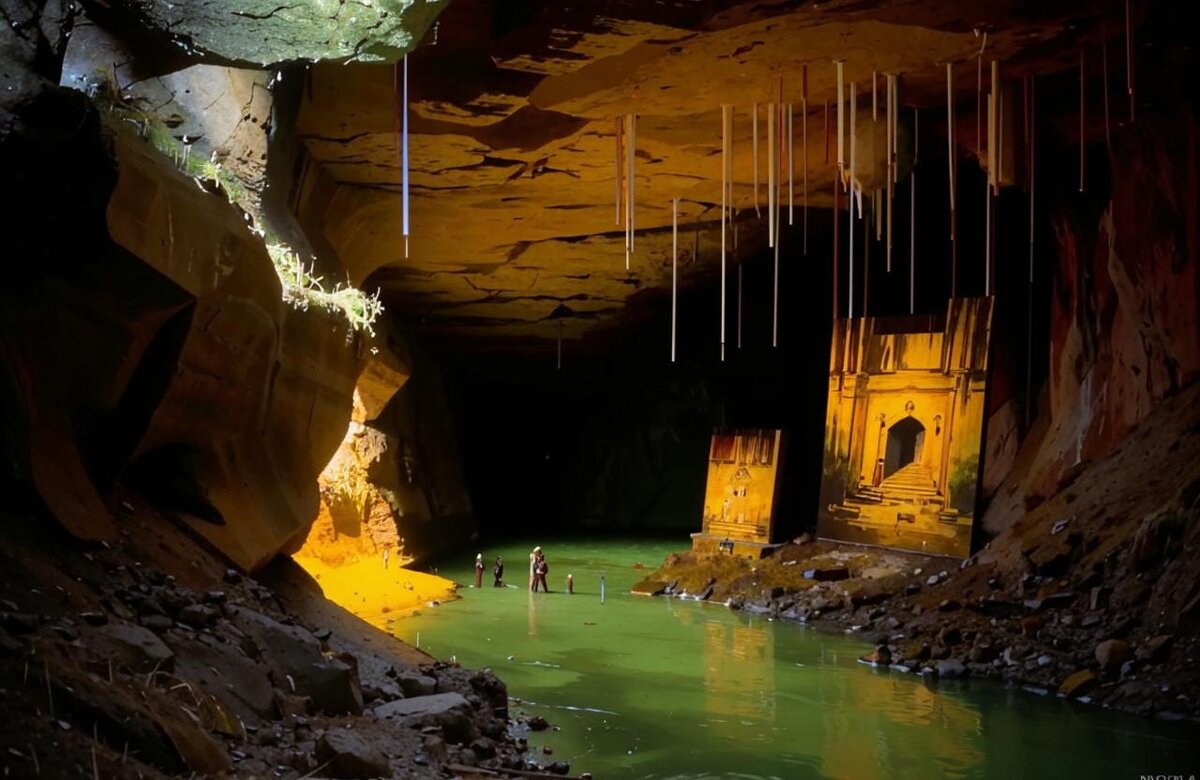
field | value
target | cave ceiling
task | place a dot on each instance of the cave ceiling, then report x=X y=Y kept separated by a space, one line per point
x=512 y=120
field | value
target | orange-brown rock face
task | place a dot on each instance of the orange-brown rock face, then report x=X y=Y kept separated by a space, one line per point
x=394 y=483
x=513 y=141
x=260 y=392
x=1125 y=321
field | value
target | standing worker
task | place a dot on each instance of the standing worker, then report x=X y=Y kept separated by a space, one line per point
x=478 y=570
x=540 y=570
x=570 y=583
x=498 y=573
x=533 y=556
x=385 y=556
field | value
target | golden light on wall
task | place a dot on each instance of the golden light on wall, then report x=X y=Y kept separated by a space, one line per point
x=904 y=427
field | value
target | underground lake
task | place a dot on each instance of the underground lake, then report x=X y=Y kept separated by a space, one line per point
x=662 y=688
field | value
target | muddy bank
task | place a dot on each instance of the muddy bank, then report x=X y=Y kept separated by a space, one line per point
x=151 y=657
x=1092 y=595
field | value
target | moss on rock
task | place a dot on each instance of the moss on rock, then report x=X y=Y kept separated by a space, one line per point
x=269 y=32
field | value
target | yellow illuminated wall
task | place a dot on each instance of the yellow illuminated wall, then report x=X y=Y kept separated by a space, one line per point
x=743 y=467
x=903 y=429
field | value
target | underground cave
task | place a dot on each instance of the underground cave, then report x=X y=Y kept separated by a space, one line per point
x=341 y=438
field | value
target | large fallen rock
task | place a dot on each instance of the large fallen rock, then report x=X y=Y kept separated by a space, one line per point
x=343 y=753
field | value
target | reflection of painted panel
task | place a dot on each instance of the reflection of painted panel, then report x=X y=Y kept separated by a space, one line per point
x=740 y=495
x=903 y=429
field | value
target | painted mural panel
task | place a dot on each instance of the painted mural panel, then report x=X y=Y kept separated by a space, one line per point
x=739 y=500
x=904 y=427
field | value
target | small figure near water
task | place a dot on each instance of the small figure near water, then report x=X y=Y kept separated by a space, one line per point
x=570 y=583
x=540 y=570
x=533 y=556
x=498 y=573
x=385 y=556
x=478 y=570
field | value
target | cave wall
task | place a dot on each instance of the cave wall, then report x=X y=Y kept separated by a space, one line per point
x=1124 y=323
x=395 y=481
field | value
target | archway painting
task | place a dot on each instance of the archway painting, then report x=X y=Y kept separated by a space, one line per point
x=903 y=429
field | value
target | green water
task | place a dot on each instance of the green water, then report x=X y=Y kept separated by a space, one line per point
x=658 y=688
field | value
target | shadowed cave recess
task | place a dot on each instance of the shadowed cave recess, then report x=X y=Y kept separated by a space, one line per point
x=306 y=304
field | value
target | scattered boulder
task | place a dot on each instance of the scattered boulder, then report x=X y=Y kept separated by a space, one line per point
x=537 y=723
x=332 y=685
x=159 y=624
x=982 y=653
x=346 y=754
x=1112 y=653
x=949 y=669
x=1078 y=684
x=436 y=704
x=134 y=647
x=197 y=615
x=1157 y=649
x=415 y=684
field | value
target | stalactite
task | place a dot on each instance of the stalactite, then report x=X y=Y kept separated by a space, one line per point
x=674 y=271
x=775 y=293
x=754 y=153
x=994 y=129
x=737 y=260
x=620 y=167
x=866 y=267
x=912 y=216
x=841 y=122
x=1129 y=58
x=837 y=240
x=951 y=177
x=979 y=99
x=853 y=193
x=804 y=148
x=875 y=195
x=891 y=166
x=1082 y=122
x=632 y=180
x=791 y=166
x=404 y=153
x=630 y=155
x=987 y=198
x=877 y=212
x=771 y=161
x=827 y=132
x=726 y=149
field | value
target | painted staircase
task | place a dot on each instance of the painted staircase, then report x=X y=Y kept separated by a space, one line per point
x=912 y=483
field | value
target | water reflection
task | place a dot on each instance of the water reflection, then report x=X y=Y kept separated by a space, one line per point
x=739 y=680
x=647 y=689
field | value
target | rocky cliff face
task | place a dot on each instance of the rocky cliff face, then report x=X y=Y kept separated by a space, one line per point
x=1125 y=316
x=145 y=336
